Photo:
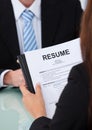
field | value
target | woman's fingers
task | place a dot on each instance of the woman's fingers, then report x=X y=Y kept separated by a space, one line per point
x=24 y=90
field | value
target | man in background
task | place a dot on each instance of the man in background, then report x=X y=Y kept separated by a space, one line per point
x=55 y=21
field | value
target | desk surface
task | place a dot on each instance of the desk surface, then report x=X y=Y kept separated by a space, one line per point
x=13 y=115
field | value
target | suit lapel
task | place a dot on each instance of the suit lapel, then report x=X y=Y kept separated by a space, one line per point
x=50 y=20
x=8 y=28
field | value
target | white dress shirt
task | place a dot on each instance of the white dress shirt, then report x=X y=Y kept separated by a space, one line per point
x=35 y=8
x=18 y=8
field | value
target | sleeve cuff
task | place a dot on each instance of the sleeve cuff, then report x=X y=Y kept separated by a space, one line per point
x=2 y=77
x=40 y=124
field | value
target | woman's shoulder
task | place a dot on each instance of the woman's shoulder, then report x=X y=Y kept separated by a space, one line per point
x=80 y=72
x=80 y=68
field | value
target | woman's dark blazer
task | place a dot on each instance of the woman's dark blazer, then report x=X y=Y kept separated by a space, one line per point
x=72 y=108
x=60 y=23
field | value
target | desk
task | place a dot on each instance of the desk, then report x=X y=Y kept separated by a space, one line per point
x=13 y=115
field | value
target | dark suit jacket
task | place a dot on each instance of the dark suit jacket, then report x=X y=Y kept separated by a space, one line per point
x=60 y=23
x=72 y=108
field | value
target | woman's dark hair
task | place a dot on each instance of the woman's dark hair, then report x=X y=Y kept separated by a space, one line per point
x=86 y=47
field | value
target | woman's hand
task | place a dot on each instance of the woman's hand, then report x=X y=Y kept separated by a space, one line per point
x=34 y=102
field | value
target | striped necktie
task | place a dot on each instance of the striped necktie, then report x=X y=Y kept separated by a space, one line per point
x=28 y=32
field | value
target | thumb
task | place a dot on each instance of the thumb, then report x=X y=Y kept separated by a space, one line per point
x=38 y=89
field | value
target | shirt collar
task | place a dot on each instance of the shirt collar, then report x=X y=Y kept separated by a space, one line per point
x=35 y=8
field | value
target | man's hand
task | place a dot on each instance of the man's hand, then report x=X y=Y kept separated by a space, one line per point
x=14 y=78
